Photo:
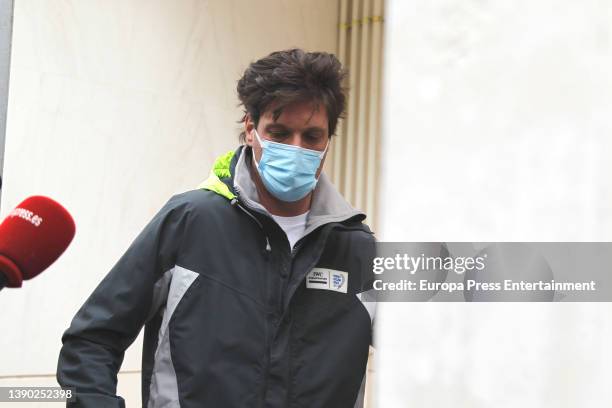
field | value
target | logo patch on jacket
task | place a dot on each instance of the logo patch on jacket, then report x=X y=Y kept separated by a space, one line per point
x=328 y=279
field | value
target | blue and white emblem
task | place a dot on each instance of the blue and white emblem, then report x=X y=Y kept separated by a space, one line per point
x=337 y=281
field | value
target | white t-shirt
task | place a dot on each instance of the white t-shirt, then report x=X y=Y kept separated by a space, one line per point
x=294 y=227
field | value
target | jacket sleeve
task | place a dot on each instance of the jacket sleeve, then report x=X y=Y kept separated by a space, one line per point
x=113 y=315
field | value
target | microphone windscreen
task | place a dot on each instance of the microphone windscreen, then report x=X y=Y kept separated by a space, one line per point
x=32 y=237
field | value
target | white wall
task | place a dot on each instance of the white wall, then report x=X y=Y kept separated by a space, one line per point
x=113 y=107
x=497 y=127
x=6 y=29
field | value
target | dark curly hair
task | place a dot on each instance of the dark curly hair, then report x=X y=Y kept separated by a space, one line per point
x=286 y=77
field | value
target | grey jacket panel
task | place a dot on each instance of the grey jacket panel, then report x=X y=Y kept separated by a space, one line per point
x=164 y=385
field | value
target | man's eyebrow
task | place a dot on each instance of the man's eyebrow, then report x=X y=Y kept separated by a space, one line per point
x=276 y=126
x=314 y=128
x=280 y=126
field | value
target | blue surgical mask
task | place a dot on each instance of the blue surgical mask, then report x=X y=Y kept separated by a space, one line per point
x=288 y=172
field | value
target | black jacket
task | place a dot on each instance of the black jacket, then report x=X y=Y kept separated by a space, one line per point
x=232 y=316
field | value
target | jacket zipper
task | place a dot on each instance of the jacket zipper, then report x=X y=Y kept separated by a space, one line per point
x=264 y=386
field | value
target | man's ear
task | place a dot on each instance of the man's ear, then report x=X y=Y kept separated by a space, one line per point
x=248 y=130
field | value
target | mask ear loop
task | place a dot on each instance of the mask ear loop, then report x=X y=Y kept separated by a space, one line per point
x=321 y=156
x=253 y=150
x=326 y=146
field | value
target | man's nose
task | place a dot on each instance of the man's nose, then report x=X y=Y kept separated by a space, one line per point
x=295 y=139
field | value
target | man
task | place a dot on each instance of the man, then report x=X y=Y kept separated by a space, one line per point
x=250 y=288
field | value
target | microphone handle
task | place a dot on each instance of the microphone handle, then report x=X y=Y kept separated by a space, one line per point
x=3 y=281
x=9 y=273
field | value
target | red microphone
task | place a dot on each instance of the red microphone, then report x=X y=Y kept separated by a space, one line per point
x=32 y=237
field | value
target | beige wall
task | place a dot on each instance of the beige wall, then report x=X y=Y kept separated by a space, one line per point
x=114 y=106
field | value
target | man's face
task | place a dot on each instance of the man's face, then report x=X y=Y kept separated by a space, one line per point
x=302 y=124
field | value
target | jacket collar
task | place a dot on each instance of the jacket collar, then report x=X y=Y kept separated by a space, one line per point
x=230 y=177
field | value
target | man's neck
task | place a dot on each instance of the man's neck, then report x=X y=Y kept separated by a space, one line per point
x=273 y=204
